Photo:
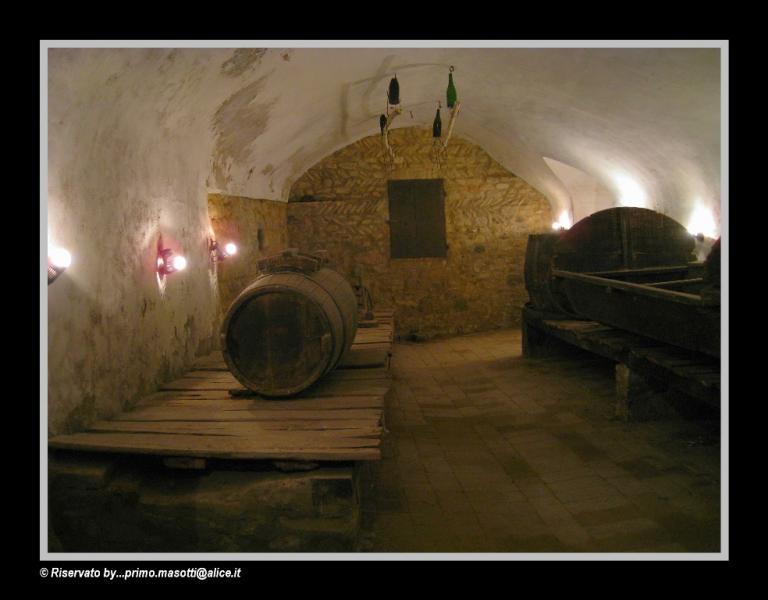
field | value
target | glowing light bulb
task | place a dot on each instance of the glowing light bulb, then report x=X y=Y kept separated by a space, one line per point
x=702 y=221
x=230 y=249
x=565 y=220
x=60 y=258
x=556 y=226
x=179 y=263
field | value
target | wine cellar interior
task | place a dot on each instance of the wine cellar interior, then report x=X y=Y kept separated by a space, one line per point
x=384 y=300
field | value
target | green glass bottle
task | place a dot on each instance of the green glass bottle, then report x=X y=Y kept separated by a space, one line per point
x=451 y=92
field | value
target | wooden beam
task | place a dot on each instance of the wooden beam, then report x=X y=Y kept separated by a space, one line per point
x=454 y=114
x=638 y=288
x=192 y=463
x=646 y=270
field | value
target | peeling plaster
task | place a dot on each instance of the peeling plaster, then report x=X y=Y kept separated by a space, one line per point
x=238 y=122
x=242 y=60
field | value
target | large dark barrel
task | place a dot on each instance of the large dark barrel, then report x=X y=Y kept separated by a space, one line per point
x=630 y=268
x=290 y=327
x=539 y=255
x=615 y=239
x=623 y=238
x=712 y=266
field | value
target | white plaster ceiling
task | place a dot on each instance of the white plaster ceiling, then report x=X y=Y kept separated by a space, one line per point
x=643 y=120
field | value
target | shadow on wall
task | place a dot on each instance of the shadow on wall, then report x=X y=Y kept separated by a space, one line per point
x=258 y=227
x=341 y=205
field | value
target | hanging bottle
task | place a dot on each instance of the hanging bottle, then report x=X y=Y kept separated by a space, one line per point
x=382 y=123
x=393 y=95
x=437 y=125
x=450 y=94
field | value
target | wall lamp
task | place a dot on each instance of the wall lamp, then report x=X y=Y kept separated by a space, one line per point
x=58 y=261
x=168 y=263
x=563 y=223
x=218 y=253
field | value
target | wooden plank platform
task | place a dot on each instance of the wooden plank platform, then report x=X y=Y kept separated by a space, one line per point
x=207 y=413
x=693 y=373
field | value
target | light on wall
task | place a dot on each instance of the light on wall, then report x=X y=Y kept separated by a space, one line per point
x=630 y=192
x=58 y=261
x=702 y=222
x=168 y=263
x=563 y=222
x=218 y=253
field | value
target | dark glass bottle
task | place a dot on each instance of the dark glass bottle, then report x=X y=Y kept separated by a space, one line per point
x=382 y=123
x=437 y=125
x=393 y=95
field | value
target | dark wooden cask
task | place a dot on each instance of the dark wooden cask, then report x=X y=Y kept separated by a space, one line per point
x=539 y=257
x=290 y=327
x=634 y=269
x=623 y=238
x=712 y=266
x=620 y=242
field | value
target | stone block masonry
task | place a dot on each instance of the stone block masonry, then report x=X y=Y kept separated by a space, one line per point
x=258 y=227
x=341 y=205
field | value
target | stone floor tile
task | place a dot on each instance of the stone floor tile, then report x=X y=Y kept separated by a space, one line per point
x=489 y=452
x=571 y=535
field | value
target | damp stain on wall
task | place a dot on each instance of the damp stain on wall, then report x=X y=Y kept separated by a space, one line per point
x=242 y=60
x=237 y=124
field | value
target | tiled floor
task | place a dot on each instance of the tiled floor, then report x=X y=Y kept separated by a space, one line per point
x=490 y=452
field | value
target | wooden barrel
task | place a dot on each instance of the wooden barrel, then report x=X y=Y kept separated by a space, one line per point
x=539 y=256
x=623 y=238
x=611 y=240
x=290 y=327
x=635 y=269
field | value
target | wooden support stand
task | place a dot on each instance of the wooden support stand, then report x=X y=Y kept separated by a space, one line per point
x=646 y=369
x=637 y=398
x=297 y=462
x=539 y=344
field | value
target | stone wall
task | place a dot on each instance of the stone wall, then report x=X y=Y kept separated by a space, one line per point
x=341 y=205
x=258 y=227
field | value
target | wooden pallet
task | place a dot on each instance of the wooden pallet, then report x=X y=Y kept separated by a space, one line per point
x=693 y=373
x=196 y=416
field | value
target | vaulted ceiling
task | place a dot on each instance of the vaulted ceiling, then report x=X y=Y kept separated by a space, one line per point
x=642 y=126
